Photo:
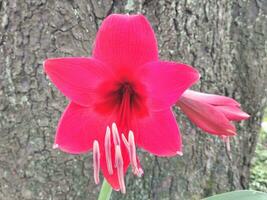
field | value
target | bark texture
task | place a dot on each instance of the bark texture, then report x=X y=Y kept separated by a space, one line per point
x=225 y=40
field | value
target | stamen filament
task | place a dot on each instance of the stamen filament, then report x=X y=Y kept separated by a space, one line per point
x=108 y=151
x=130 y=145
x=115 y=134
x=125 y=141
x=119 y=164
x=132 y=152
x=96 y=161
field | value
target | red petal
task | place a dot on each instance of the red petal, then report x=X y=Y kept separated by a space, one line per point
x=77 y=129
x=125 y=41
x=166 y=81
x=76 y=78
x=207 y=117
x=159 y=134
x=211 y=98
x=233 y=113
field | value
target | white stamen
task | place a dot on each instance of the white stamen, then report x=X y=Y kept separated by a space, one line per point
x=125 y=141
x=108 y=151
x=119 y=164
x=96 y=161
x=55 y=146
x=180 y=153
x=132 y=152
x=130 y=145
x=115 y=134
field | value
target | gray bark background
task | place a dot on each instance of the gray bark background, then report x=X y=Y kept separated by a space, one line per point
x=225 y=40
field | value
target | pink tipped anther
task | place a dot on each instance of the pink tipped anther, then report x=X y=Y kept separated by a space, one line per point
x=115 y=134
x=108 y=151
x=140 y=172
x=55 y=146
x=132 y=152
x=179 y=153
x=119 y=164
x=96 y=160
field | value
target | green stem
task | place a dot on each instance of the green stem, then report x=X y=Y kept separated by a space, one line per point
x=105 y=191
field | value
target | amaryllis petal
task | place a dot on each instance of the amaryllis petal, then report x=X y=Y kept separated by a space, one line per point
x=125 y=41
x=159 y=134
x=77 y=129
x=233 y=113
x=212 y=99
x=207 y=117
x=166 y=81
x=77 y=78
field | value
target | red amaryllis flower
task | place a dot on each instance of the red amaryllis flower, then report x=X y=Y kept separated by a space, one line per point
x=212 y=113
x=124 y=86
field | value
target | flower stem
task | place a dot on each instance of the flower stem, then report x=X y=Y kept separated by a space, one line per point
x=105 y=191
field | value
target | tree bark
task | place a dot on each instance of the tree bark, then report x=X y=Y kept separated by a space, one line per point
x=225 y=40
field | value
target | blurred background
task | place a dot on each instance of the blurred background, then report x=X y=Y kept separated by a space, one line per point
x=225 y=40
x=258 y=176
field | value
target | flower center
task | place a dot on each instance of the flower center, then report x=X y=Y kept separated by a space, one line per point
x=126 y=89
x=125 y=98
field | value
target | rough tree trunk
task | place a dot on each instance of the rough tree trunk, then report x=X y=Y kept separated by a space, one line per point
x=225 y=40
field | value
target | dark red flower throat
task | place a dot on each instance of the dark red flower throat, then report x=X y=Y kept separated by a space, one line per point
x=125 y=96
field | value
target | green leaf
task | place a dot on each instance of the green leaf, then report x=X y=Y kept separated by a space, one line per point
x=240 y=195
